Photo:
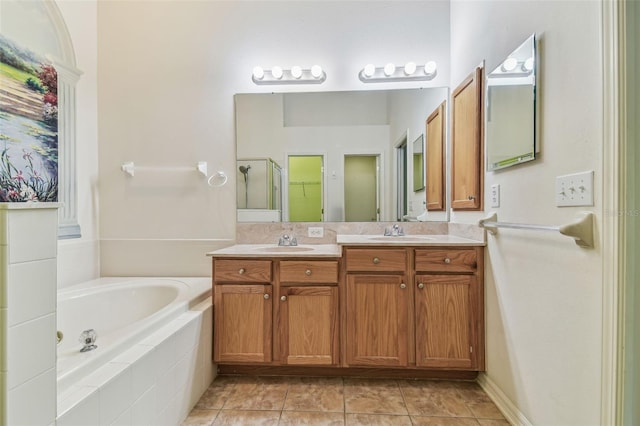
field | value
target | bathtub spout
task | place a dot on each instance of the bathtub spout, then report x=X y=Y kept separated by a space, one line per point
x=88 y=339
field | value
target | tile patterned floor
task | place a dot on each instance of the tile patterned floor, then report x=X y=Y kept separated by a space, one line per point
x=236 y=400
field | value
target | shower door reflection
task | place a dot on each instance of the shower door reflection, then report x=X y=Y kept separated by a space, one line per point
x=259 y=195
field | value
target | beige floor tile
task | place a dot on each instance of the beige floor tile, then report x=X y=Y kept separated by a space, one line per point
x=429 y=402
x=317 y=394
x=200 y=417
x=377 y=420
x=443 y=421
x=471 y=392
x=242 y=418
x=490 y=422
x=372 y=396
x=311 y=418
x=261 y=393
x=485 y=410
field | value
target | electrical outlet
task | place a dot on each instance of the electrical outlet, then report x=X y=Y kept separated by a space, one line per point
x=315 y=232
x=575 y=189
x=495 y=195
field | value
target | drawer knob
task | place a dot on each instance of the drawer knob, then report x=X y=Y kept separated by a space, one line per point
x=307 y=272
x=447 y=260
x=266 y=296
x=283 y=298
x=403 y=285
x=420 y=285
x=242 y=271
x=376 y=260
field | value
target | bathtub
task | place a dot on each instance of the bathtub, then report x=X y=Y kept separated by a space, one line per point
x=142 y=324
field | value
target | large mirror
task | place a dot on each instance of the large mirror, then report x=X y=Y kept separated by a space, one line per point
x=511 y=109
x=332 y=156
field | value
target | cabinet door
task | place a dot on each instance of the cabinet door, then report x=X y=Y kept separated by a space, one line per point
x=435 y=164
x=377 y=320
x=308 y=326
x=242 y=323
x=445 y=318
x=466 y=144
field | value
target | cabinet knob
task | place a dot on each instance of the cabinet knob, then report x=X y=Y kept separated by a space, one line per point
x=420 y=285
x=283 y=298
x=403 y=285
x=307 y=272
x=266 y=296
x=447 y=260
x=376 y=260
x=242 y=271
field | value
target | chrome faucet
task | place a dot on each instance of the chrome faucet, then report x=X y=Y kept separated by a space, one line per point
x=88 y=339
x=287 y=240
x=394 y=231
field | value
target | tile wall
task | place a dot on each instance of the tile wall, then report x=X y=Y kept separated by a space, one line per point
x=28 y=249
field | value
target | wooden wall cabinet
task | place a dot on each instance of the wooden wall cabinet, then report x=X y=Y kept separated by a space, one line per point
x=467 y=143
x=435 y=158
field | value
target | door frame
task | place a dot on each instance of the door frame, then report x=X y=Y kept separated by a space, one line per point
x=403 y=139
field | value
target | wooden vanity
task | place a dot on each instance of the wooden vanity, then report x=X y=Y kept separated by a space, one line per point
x=395 y=310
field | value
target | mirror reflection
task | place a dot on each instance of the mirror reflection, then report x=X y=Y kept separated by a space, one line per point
x=511 y=111
x=418 y=164
x=331 y=156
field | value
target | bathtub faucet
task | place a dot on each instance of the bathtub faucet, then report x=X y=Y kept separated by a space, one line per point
x=88 y=339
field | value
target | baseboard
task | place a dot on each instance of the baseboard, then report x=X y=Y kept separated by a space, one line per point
x=513 y=415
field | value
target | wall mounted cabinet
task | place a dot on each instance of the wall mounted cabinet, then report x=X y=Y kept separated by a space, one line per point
x=467 y=146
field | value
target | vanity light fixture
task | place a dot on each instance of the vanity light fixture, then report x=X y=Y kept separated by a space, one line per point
x=390 y=72
x=296 y=75
x=527 y=66
x=509 y=64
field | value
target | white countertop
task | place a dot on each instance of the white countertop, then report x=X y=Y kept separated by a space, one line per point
x=335 y=250
x=407 y=240
x=272 y=250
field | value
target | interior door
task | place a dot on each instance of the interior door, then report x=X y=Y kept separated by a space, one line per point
x=305 y=188
x=361 y=188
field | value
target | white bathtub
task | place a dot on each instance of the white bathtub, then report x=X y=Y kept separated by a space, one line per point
x=136 y=319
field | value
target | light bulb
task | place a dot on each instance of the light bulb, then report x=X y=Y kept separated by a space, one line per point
x=430 y=68
x=509 y=64
x=316 y=71
x=528 y=65
x=409 y=68
x=276 y=72
x=296 y=72
x=369 y=70
x=258 y=73
x=389 y=69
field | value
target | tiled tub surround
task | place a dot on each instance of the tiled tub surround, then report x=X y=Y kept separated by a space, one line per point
x=151 y=371
x=28 y=250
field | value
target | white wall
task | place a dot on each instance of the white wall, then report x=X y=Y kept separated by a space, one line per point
x=543 y=293
x=167 y=75
x=79 y=259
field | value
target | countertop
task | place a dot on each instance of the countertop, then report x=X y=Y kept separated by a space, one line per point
x=335 y=250
x=272 y=250
x=407 y=240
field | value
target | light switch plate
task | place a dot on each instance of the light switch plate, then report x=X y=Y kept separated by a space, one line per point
x=495 y=195
x=575 y=189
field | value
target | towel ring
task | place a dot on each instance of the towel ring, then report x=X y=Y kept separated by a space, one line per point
x=218 y=179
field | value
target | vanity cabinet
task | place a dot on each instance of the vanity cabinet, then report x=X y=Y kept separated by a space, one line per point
x=449 y=308
x=276 y=312
x=436 y=322
x=307 y=317
x=243 y=311
x=377 y=307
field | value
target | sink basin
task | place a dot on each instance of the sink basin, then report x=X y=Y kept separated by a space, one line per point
x=405 y=238
x=285 y=249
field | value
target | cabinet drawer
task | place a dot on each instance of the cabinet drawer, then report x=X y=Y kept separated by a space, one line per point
x=300 y=271
x=370 y=260
x=446 y=260
x=252 y=271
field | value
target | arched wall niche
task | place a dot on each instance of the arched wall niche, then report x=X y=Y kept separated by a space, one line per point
x=39 y=26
